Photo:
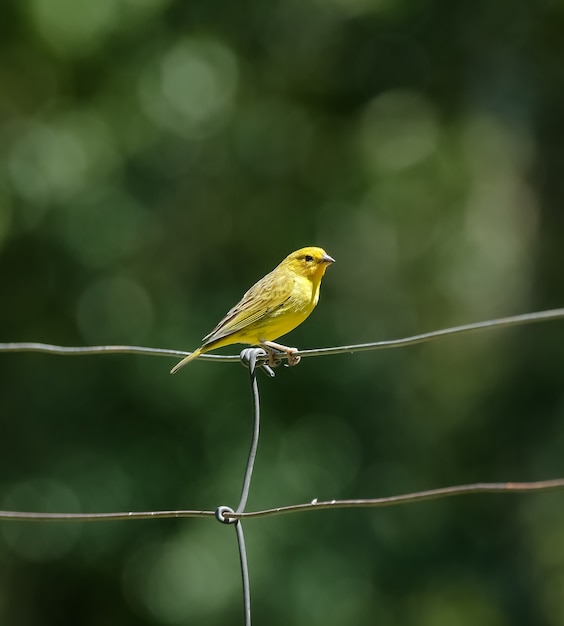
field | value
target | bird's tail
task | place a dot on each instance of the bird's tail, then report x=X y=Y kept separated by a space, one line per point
x=185 y=360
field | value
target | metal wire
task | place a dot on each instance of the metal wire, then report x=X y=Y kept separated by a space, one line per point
x=244 y=571
x=226 y=514
x=258 y=357
x=249 y=357
x=515 y=320
x=503 y=322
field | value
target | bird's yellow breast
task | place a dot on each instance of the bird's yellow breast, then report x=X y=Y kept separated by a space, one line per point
x=277 y=320
x=296 y=308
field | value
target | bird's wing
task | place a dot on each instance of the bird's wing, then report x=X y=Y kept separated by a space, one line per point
x=264 y=298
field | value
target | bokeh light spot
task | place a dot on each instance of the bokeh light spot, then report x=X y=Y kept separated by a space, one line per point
x=70 y=26
x=191 y=90
x=171 y=580
x=397 y=130
x=47 y=163
x=40 y=542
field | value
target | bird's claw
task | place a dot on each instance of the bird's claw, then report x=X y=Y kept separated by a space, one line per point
x=293 y=358
x=275 y=353
x=274 y=359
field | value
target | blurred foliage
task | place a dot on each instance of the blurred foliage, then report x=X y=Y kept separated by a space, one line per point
x=156 y=158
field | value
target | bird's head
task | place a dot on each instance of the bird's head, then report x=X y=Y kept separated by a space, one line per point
x=310 y=262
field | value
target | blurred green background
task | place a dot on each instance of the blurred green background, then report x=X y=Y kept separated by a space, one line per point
x=156 y=158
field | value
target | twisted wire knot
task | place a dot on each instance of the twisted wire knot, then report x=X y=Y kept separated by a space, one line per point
x=254 y=357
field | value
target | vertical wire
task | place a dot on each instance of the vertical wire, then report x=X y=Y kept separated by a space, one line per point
x=252 y=360
x=251 y=357
x=244 y=571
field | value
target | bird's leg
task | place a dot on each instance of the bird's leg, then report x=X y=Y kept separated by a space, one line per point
x=271 y=346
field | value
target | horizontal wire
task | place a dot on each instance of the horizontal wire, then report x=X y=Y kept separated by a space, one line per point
x=419 y=496
x=514 y=320
x=504 y=322
x=25 y=516
x=314 y=505
x=86 y=350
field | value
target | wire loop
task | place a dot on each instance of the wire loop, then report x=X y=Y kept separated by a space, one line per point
x=220 y=515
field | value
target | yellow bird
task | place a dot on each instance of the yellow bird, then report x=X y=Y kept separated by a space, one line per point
x=272 y=307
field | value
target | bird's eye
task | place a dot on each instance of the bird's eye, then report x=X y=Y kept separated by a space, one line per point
x=308 y=258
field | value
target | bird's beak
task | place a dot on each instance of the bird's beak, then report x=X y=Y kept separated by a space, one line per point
x=327 y=259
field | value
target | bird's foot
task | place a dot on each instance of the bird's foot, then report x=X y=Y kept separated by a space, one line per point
x=274 y=350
